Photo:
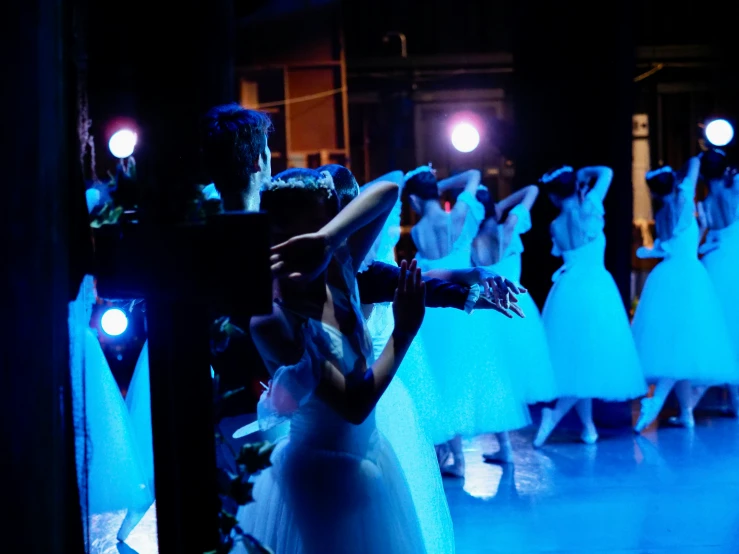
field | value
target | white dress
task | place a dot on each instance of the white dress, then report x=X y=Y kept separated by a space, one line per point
x=109 y=469
x=721 y=260
x=334 y=487
x=679 y=326
x=522 y=343
x=413 y=447
x=476 y=397
x=590 y=343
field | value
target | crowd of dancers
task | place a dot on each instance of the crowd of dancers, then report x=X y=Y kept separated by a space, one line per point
x=382 y=368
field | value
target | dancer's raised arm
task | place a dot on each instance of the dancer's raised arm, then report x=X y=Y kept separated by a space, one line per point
x=296 y=375
x=603 y=177
x=526 y=196
x=305 y=256
x=469 y=181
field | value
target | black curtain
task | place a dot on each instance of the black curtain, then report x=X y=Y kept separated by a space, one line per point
x=46 y=248
x=573 y=102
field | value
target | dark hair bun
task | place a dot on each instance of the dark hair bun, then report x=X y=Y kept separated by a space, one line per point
x=661 y=182
x=561 y=181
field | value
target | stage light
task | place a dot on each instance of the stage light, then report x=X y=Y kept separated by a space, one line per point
x=465 y=137
x=719 y=132
x=114 y=322
x=122 y=143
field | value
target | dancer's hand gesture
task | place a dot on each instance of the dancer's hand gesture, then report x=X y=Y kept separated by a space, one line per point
x=301 y=258
x=409 y=305
x=489 y=303
x=503 y=291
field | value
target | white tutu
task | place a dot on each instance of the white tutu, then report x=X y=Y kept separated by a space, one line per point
x=721 y=260
x=324 y=501
x=398 y=421
x=522 y=344
x=590 y=342
x=477 y=395
x=679 y=326
x=418 y=380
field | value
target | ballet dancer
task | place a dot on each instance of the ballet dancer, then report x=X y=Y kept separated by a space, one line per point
x=335 y=480
x=475 y=398
x=592 y=351
x=678 y=344
x=520 y=345
x=719 y=222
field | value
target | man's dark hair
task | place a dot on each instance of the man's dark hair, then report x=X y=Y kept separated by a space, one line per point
x=347 y=188
x=233 y=140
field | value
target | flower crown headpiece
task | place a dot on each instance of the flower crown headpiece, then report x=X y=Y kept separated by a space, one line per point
x=549 y=177
x=421 y=169
x=655 y=172
x=326 y=182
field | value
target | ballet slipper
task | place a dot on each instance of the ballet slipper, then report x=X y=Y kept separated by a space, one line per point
x=500 y=457
x=589 y=435
x=683 y=420
x=454 y=470
x=443 y=454
x=546 y=427
x=649 y=412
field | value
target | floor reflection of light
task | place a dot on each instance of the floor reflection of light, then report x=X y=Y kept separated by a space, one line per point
x=142 y=540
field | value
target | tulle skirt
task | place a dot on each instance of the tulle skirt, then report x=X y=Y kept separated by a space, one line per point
x=722 y=265
x=477 y=396
x=138 y=401
x=115 y=476
x=398 y=421
x=679 y=326
x=316 y=501
x=523 y=352
x=418 y=380
x=590 y=343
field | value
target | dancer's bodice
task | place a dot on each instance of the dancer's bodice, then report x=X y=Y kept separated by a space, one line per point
x=578 y=225
x=509 y=264
x=722 y=206
x=728 y=238
x=461 y=253
x=685 y=234
x=585 y=242
x=317 y=425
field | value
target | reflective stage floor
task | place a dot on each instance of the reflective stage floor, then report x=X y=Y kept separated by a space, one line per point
x=673 y=491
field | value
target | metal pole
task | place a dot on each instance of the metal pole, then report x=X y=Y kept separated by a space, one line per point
x=344 y=100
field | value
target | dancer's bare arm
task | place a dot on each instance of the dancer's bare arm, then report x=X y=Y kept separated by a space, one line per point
x=603 y=177
x=358 y=224
x=352 y=396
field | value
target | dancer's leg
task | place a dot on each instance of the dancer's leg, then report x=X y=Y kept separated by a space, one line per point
x=550 y=418
x=685 y=397
x=504 y=455
x=651 y=407
x=697 y=395
x=584 y=409
x=455 y=469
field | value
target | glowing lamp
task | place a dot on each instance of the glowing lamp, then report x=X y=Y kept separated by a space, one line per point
x=465 y=137
x=719 y=132
x=122 y=143
x=114 y=322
